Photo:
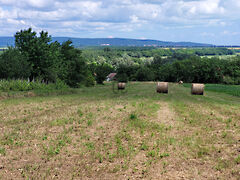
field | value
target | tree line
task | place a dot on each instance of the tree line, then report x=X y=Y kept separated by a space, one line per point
x=182 y=64
x=36 y=57
x=192 y=69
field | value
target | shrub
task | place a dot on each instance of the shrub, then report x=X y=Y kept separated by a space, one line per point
x=122 y=77
x=237 y=81
x=89 y=81
x=23 y=85
x=14 y=85
x=4 y=85
x=144 y=74
x=59 y=84
x=102 y=71
x=228 y=80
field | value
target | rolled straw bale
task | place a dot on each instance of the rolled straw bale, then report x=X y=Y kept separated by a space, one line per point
x=180 y=82
x=121 y=86
x=197 y=89
x=162 y=87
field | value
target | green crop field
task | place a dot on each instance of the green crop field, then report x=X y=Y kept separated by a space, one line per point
x=98 y=134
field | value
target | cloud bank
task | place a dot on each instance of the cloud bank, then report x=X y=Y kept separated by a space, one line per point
x=177 y=20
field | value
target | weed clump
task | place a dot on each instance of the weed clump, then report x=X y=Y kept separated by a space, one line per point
x=2 y=151
x=133 y=116
x=237 y=160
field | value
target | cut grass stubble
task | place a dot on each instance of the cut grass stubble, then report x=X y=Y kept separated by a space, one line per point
x=96 y=133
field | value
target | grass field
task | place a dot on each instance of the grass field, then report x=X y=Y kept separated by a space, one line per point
x=98 y=134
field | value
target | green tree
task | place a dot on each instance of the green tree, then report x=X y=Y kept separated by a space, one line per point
x=102 y=70
x=122 y=73
x=74 y=70
x=144 y=74
x=13 y=65
x=38 y=52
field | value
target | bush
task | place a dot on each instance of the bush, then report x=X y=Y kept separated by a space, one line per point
x=4 y=85
x=59 y=84
x=14 y=65
x=144 y=74
x=23 y=85
x=102 y=71
x=122 y=77
x=228 y=80
x=15 y=85
x=19 y=85
x=237 y=80
x=89 y=81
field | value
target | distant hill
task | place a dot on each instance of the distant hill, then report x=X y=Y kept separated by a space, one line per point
x=81 y=42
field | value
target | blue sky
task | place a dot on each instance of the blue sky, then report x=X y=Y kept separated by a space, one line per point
x=206 y=21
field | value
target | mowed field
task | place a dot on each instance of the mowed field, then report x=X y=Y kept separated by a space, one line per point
x=98 y=134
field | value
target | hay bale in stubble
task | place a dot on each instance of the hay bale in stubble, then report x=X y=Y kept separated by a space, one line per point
x=121 y=86
x=162 y=87
x=180 y=82
x=197 y=89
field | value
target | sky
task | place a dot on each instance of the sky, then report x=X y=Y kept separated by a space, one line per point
x=205 y=21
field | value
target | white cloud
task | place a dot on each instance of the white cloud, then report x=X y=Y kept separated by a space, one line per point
x=76 y=16
x=38 y=4
x=204 y=7
x=134 y=19
x=207 y=34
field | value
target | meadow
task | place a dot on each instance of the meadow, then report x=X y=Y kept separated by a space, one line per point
x=96 y=133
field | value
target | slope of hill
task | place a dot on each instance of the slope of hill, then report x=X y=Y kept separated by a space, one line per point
x=125 y=42
x=80 y=42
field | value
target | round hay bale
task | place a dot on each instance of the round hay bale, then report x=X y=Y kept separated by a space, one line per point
x=180 y=82
x=121 y=86
x=162 y=87
x=31 y=94
x=197 y=89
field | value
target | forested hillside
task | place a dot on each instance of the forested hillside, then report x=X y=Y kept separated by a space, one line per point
x=83 y=42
